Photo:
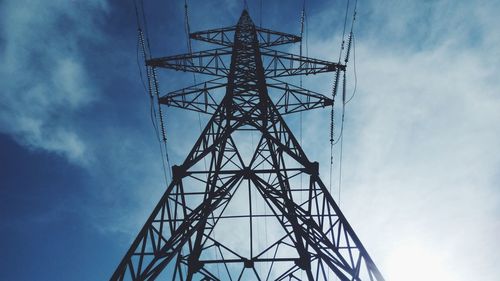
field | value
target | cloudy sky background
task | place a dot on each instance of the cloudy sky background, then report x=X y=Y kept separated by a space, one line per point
x=80 y=168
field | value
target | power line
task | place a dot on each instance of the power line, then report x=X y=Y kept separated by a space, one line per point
x=355 y=71
x=168 y=237
x=143 y=41
x=187 y=31
x=302 y=19
x=350 y=43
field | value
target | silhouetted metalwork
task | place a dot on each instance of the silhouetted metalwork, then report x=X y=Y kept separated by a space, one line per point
x=238 y=211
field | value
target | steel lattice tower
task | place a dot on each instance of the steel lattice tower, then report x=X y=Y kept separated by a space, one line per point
x=204 y=227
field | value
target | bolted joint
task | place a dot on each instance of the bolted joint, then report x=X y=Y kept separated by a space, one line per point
x=165 y=100
x=248 y=263
x=327 y=102
x=313 y=169
x=178 y=172
x=304 y=262
x=194 y=265
x=247 y=172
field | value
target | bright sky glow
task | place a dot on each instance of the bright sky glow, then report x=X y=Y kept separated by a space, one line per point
x=79 y=164
x=415 y=261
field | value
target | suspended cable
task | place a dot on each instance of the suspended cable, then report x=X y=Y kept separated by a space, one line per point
x=161 y=125
x=157 y=95
x=334 y=94
x=355 y=72
x=351 y=34
x=332 y=123
x=152 y=89
x=350 y=44
x=331 y=147
x=147 y=89
x=340 y=168
x=344 y=101
x=187 y=31
x=141 y=52
x=302 y=19
x=341 y=138
x=153 y=82
x=343 y=30
x=306 y=25
x=353 y=41
x=146 y=29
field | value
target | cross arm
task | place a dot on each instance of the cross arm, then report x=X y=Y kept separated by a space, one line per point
x=221 y=36
x=202 y=98
x=209 y=62
x=279 y=64
x=269 y=38
x=276 y=63
x=224 y=36
x=294 y=99
x=199 y=97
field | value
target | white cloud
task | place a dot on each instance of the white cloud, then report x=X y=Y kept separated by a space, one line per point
x=420 y=170
x=420 y=164
x=426 y=127
x=45 y=78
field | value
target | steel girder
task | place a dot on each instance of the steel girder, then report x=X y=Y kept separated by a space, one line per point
x=276 y=63
x=224 y=36
x=192 y=232
x=201 y=98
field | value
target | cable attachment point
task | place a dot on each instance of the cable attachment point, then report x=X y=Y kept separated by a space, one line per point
x=334 y=94
x=160 y=113
x=349 y=43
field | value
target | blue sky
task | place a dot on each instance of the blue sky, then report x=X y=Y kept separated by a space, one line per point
x=80 y=168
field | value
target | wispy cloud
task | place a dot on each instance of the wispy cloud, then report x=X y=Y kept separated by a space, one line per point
x=419 y=138
x=45 y=80
x=420 y=181
x=420 y=165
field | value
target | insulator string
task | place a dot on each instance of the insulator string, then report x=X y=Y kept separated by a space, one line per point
x=355 y=71
x=153 y=87
x=302 y=19
x=350 y=46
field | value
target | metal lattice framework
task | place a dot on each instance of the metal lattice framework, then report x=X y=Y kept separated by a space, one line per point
x=239 y=211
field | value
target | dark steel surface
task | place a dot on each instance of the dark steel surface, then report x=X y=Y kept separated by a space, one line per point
x=179 y=241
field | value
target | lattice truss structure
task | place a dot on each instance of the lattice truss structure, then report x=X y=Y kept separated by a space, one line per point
x=239 y=210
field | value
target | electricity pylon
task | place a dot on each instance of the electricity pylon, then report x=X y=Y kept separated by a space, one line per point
x=244 y=214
